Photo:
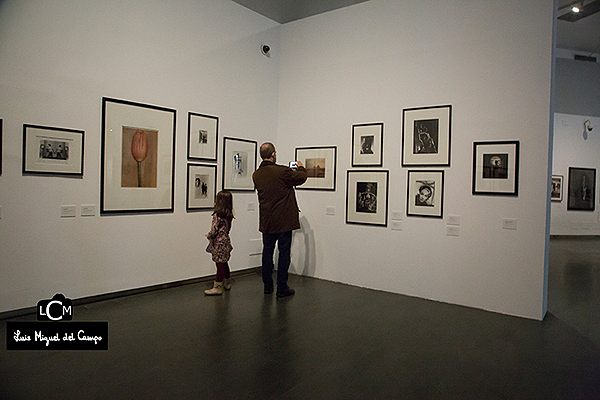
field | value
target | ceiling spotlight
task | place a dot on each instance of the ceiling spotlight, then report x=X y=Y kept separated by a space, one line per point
x=575 y=9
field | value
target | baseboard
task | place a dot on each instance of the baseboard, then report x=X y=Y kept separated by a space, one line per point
x=129 y=292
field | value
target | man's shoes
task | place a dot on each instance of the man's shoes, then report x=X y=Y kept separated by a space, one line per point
x=268 y=289
x=287 y=291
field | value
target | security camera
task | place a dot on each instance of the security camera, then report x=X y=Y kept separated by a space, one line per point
x=265 y=49
x=588 y=125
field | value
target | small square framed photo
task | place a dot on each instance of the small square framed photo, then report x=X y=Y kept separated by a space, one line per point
x=53 y=151
x=320 y=164
x=239 y=162
x=367 y=197
x=367 y=145
x=496 y=168
x=582 y=189
x=556 y=193
x=425 y=194
x=201 y=187
x=426 y=136
x=203 y=137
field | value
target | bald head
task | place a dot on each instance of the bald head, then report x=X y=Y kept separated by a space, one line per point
x=267 y=150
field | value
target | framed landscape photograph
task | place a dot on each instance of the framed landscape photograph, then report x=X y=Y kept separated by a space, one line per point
x=239 y=162
x=201 y=187
x=426 y=133
x=496 y=168
x=320 y=164
x=557 y=188
x=367 y=197
x=138 y=157
x=203 y=137
x=367 y=145
x=53 y=151
x=425 y=194
x=582 y=189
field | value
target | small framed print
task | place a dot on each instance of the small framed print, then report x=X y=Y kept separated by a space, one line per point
x=425 y=197
x=239 y=162
x=320 y=164
x=367 y=197
x=367 y=145
x=426 y=136
x=203 y=137
x=556 y=193
x=53 y=151
x=582 y=189
x=138 y=158
x=201 y=187
x=496 y=168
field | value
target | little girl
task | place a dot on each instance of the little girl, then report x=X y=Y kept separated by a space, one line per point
x=220 y=243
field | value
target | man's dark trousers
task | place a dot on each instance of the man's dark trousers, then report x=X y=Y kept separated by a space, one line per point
x=284 y=244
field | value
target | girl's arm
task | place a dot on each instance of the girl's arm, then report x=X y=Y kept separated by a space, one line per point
x=214 y=229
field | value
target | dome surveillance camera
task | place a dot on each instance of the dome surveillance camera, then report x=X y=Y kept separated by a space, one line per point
x=265 y=49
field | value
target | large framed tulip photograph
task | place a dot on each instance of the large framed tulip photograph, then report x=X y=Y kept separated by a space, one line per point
x=138 y=157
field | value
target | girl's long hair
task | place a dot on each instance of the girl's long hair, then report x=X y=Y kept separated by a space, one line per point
x=224 y=205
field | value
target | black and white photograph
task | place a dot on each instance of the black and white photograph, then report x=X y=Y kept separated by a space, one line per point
x=496 y=168
x=203 y=137
x=425 y=194
x=320 y=164
x=367 y=145
x=239 y=162
x=52 y=150
x=201 y=186
x=367 y=197
x=426 y=134
x=582 y=189
x=556 y=193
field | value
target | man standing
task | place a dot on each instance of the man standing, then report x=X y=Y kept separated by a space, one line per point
x=278 y=215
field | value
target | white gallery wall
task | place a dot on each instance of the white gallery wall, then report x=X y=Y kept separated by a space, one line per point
x=490 y=60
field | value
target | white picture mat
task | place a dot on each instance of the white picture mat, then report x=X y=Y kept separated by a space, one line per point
x=33 y=161
x=495 y=185
x=353 y=178
x=413 y=189
x=231 y=180
x=116 y=198
x=358 y=131
x=211 y=126
x=442 y=157
x=205 y=170
x=329 y=154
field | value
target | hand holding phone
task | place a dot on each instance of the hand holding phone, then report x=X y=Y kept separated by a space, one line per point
x=293 y=164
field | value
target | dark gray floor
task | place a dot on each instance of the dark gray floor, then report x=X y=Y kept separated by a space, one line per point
x=330 y=341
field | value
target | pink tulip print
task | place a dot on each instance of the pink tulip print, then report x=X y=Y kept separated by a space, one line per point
x=139 y=150
x=139 y=157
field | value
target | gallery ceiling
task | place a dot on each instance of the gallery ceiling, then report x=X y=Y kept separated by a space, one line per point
x=582 y=36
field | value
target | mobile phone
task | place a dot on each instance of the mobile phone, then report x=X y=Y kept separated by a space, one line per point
x=293 y=164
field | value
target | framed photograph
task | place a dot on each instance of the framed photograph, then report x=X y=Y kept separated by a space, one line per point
x=367 y=145
x=320 y=164
x=367 y=197
x=53 y=151
x=138 y=157
x=201 y=187
x=239 y=162
x=496 y=168
x=557 y=188
x=203 y=137
x=1 y=140
x=582 y=189
x=426 y=136
x=425 y=197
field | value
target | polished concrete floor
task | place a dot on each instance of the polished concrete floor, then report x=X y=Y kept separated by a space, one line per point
x=330 y=341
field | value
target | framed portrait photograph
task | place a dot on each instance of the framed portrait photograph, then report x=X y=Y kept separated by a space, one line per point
x=367 y=197
x=556 y=193
x=320 y=164
x=582 y=189
x=203 y=137
x=496 y=168
x=426 y=133
x=425 y=194
x=201 y=187
x=426 y=136
x=138 y=157
x=53 y=151
x=367 y=145
x=239 y=162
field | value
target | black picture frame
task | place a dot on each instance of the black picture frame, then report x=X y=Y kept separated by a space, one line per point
x=1 y=141
x=425 y=193
x=582 y=189
x=52 y=151
x=203 y=137
x=367 y=145
x=239 y=163
x=367 y=193
x=496 y=168
x=427 y=136
x=133 y=134
x=321 y=175
x=201 y=187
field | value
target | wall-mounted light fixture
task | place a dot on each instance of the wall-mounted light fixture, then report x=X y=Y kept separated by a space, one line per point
x=587 y=127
